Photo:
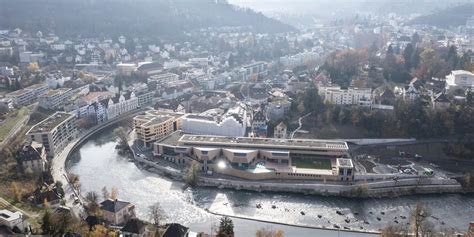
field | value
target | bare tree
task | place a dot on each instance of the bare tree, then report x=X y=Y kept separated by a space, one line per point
x=264 y=232
x=105 y=193
x=156 y=214
x=114 y=193
x=419 y=219
x=394 y=231
x=92 y=202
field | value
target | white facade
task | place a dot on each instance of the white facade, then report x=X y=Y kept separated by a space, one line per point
x=351 y=96
x=27 y=95
x=53 y=99
x=13 y=219
x=252 y=71
x=122 y=105
x=126 y=69
x=228 y=126
x=460 y=79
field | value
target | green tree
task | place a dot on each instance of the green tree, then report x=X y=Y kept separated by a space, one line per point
x=46 y=223
x=191 y=175
x=408 y=56
x=312 y=102
x=226 y=227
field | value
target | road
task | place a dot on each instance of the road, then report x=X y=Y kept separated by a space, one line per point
x=300 y=121
x=26 y=213
x=58 y=163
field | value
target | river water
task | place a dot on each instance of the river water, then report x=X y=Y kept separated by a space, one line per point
x=99 y=165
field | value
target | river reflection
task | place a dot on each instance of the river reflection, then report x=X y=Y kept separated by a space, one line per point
x=98 y=164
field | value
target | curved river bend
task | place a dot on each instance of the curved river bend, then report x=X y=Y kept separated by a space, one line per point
x=98 y=164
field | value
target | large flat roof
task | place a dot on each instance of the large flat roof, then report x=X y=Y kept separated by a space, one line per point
x=153 y=117
x=301 y=143
x=172 y=139
x=57 y=91
x=50 y=123
x=27 y=89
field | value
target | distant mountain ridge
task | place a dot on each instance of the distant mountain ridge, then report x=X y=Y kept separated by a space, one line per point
x=130 y=17
x=449 y=17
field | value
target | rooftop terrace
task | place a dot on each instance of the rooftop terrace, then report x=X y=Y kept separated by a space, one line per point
x=50 y=123
x=326 y=144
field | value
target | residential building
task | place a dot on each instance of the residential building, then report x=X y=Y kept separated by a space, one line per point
x=299 y=59
x=350 y=96
x=176 y=230
x=134 y=228
x=55 y=99
x=277 y=109
x=259 y=124
x=46 y=194
x=254 y=70
x=145 y=98
x=280 y=131
x=13 y=220
x=177 y=90
x=33 y=157
x=387 y=97
x=163 y=78
x=121 y=104
x=55 y=132
x=126 y=69
x=412 y=91
x=27 y=95
x=459 y=79
x=155 y=124
x=117 y=212
x=440 y=101
x=260 y=158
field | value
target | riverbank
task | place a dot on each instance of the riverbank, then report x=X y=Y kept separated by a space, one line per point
x=99 y=165
x=375 y=189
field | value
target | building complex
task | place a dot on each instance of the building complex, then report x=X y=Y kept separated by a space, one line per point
x=27 y=95
x=55 y=132
x=260 y=158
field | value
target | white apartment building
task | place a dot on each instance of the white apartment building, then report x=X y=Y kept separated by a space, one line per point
x=254 y=70
x=121 y=104
x=54 y=99
x=126 y=69
x=459 y=79
x=350 y=96
x=163 y=79
x=299 y=59
x=27 y=95
x=55 y=132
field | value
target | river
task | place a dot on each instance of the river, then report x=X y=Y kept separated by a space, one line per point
x=99 y=165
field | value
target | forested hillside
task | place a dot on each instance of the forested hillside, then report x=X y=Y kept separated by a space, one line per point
x=129 y=17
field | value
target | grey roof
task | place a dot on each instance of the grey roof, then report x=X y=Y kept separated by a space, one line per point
x=134 y=226
x=176 y=230
x=113 y=205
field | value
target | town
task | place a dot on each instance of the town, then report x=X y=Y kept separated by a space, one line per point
x=372 y=107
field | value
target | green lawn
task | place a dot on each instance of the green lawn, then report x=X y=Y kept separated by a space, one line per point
x=10 y=120
x=322 y=164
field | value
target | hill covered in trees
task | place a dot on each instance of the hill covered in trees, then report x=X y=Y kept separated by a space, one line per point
x=130 y=17
x=449 y=17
